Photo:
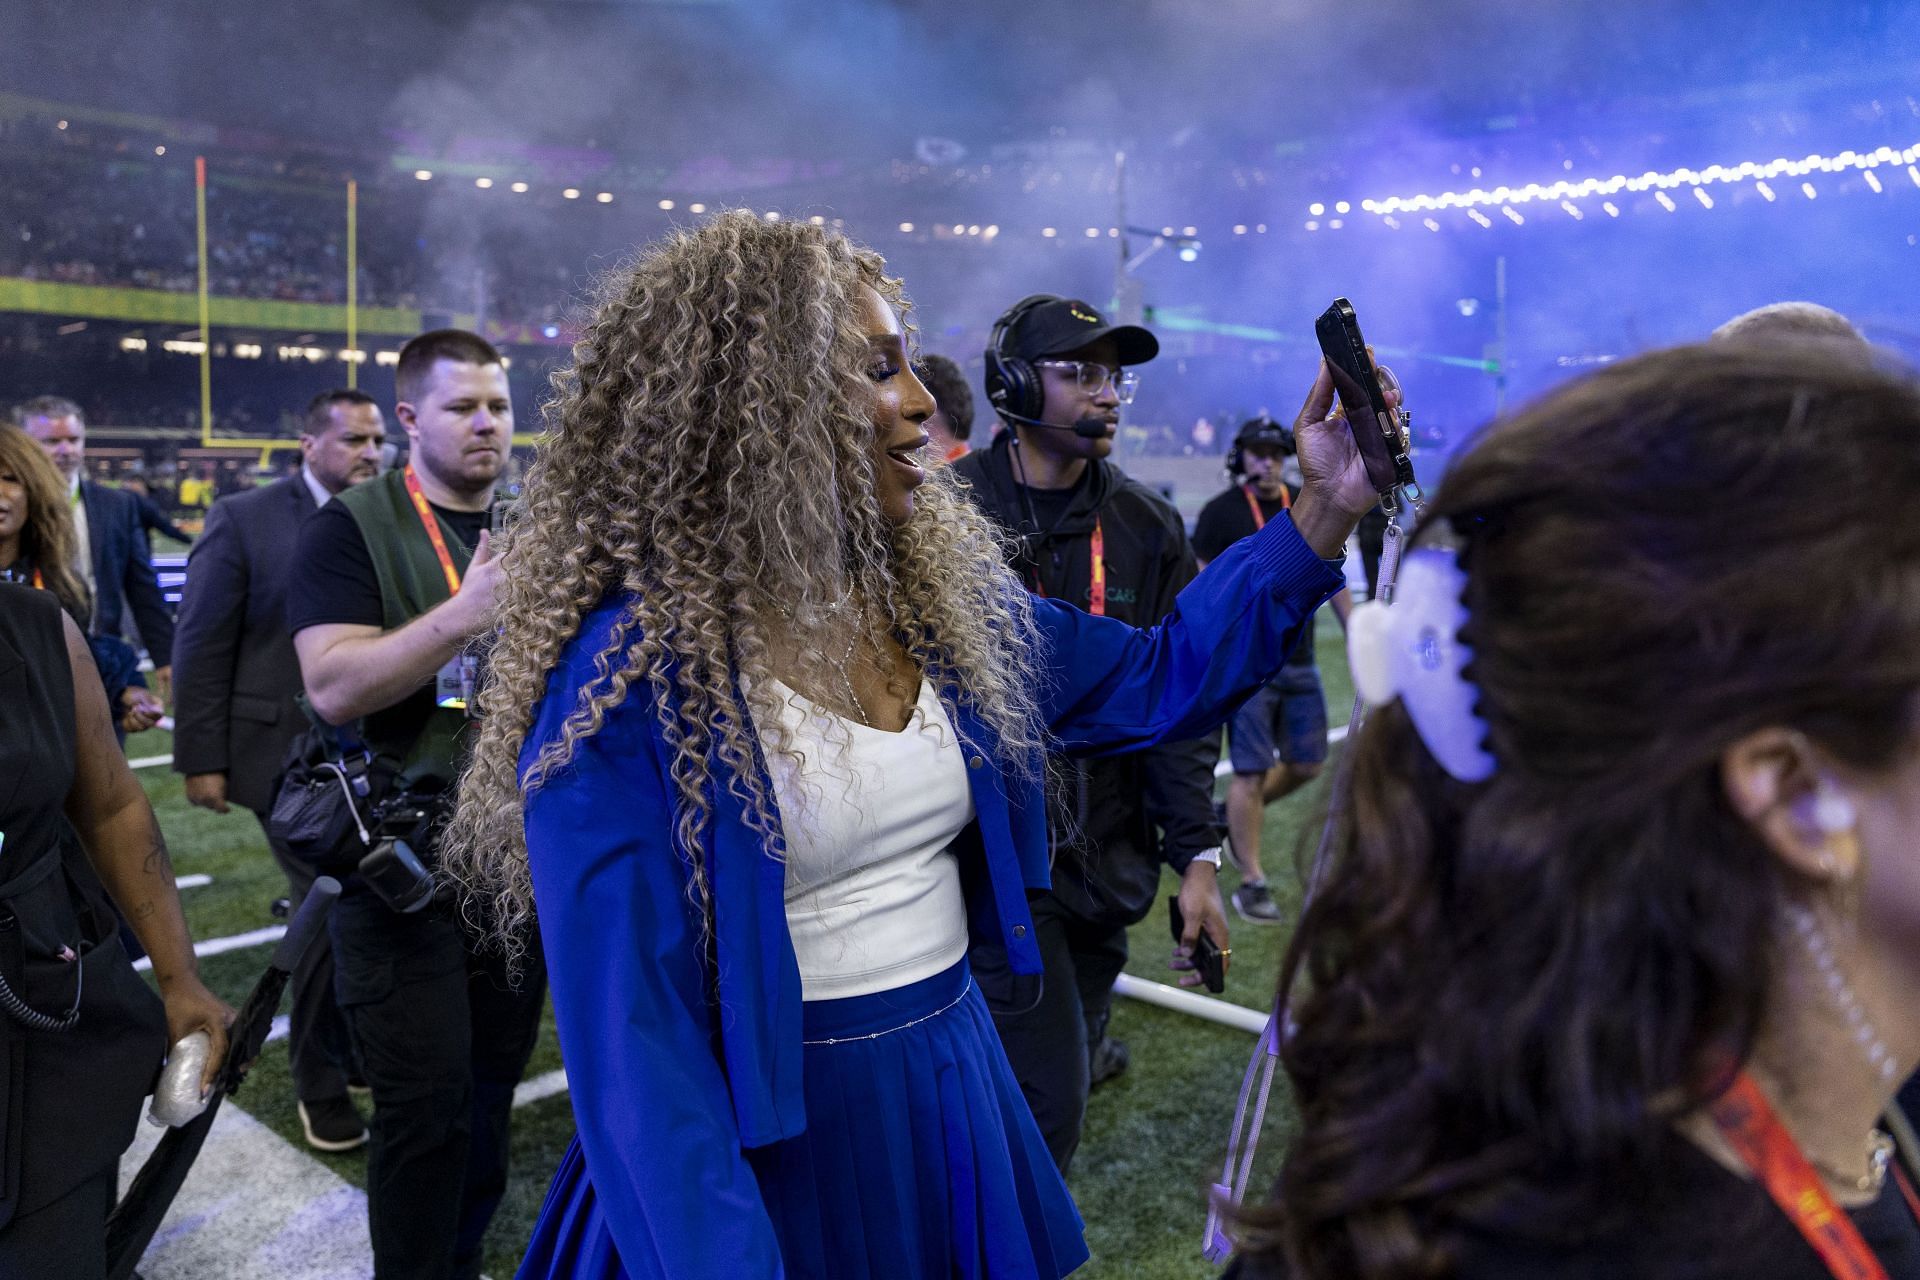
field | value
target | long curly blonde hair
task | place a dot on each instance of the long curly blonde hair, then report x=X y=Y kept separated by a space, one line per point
x=711 y=452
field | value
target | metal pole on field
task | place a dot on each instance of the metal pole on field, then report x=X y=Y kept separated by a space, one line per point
x=206 y=338
x=353 y=282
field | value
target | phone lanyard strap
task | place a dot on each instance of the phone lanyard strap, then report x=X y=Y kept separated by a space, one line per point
x=432 y=526
x=1253 y=505
x=1748 y=1122
x=1097 y=593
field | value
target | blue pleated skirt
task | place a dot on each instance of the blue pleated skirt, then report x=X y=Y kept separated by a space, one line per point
x=920 y=1161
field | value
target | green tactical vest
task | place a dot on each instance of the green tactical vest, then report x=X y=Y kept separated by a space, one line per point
x=425 y=738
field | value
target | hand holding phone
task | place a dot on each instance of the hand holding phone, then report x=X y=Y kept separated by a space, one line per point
x=1375 y=425
x=1208 y=960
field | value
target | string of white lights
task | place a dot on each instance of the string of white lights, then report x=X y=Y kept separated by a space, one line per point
x=1565 y=191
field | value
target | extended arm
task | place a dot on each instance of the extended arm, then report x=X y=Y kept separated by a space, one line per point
x=117 y=827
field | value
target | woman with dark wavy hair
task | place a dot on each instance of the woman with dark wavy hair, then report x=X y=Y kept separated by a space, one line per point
x=1613 y=969
x=762 y=739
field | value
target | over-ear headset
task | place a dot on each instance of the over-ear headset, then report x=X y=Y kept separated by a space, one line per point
x=1252 y=430
x=1013 y=385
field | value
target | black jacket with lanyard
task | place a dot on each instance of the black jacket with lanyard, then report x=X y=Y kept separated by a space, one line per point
x=1111 y=821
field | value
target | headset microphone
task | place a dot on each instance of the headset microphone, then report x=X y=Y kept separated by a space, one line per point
x=1089 y=428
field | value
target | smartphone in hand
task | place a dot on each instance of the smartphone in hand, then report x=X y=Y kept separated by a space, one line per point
x=1375 y=427
x=1208 y=961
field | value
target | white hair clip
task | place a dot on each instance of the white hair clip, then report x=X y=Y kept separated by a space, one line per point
x=1411 y=650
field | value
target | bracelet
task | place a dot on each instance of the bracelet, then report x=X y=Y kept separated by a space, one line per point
x=1209 y=856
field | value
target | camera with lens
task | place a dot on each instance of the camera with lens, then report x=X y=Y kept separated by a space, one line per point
x=406 y=826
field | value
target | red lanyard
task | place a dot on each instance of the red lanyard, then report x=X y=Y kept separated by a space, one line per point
x=1253 y=505
x=432 y=527
x=1749 y=1123
x=1097 y=595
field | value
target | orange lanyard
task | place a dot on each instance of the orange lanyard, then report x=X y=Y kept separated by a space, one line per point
x=1749 y=1123
x=1097 y=594
x=39 y=583
x=434 y=535
x=1253 y=505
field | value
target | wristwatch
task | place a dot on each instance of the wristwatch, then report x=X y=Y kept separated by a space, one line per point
x=1209 y=856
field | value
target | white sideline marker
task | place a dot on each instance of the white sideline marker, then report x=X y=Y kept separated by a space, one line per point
x=539 y=1088
x=1336 y=734
x=218 y=946
x=192 y=882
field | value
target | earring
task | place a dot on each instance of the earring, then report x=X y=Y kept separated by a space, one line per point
x=1832 y=811
x=1826 y=964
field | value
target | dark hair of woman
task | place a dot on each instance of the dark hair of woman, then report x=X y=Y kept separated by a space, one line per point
x=1506 y=993
x=47 y=537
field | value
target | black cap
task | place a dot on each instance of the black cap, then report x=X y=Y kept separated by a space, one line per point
x=1067 y=324
x=1256 y=431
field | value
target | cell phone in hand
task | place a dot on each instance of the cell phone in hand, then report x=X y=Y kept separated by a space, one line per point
x=1375 y=427
x=1208 y=961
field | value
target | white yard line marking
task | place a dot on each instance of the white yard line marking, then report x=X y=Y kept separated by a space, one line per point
x=255 y=1205
x=192 y=882
x=150 y=762
x=539 y=1088
x=238 y=942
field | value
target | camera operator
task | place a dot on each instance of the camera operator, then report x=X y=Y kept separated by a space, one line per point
x=1102 y=542
x=236 y=684
x=393 y=581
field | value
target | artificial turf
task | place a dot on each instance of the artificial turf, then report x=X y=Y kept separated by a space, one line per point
x=1155 y=1137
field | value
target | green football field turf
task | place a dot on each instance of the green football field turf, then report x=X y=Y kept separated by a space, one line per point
x=1154 y=1139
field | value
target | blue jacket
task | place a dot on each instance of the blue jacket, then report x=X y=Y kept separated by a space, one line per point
x=668 y=1085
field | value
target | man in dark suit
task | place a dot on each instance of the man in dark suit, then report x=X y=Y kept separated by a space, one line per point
x=235 y=701
x=115 y=557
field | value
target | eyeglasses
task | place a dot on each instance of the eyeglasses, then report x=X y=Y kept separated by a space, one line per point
x=1094 y=377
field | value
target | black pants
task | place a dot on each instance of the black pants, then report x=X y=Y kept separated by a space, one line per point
x=1046 y=1027
x=442 y=1039
x=316 y=1033
x=64 y=1240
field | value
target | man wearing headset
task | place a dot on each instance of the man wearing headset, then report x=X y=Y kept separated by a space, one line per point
x=1277 y=742
x=1057 y=375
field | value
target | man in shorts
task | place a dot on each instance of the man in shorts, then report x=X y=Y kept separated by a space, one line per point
x=1277 y=742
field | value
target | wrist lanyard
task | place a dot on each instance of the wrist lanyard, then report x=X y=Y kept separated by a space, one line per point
x=432 y=527
x=1253 y=505
x=1097 y=594
x=1748 y=1122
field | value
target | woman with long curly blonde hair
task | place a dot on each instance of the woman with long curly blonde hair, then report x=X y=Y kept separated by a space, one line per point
x=763 y=736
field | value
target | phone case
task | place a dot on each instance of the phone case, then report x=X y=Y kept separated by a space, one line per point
x=1376 y=431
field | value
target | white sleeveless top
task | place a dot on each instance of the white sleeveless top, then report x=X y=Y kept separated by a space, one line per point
x=873 y=887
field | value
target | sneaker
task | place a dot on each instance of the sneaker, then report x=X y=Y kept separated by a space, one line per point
x=1108 y=1059
x=1255 y=904
x=1226 y=835
x=332 y=1124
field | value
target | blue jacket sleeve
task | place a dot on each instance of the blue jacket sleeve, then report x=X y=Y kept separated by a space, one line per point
x=1112 y=688
x=623 y=961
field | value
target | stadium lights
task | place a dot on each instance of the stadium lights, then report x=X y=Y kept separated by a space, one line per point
x=1765 y=190
x=483 y=183
x=1706 y=201
x=159 y=151
x=1666 y=201
x=1429 y=224
x=1049 y=232
x=386 y=359
x=1873 y=180
x=1651 y=180
x=129 y=344
x=423 y=174
x=1807 y=187
x=519 y=188
x=1480 y=217
x=667 y=205
x=1239 y=228
x=906 y=228
x=1573 y=210
x=605 y=197
x=696 y=208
